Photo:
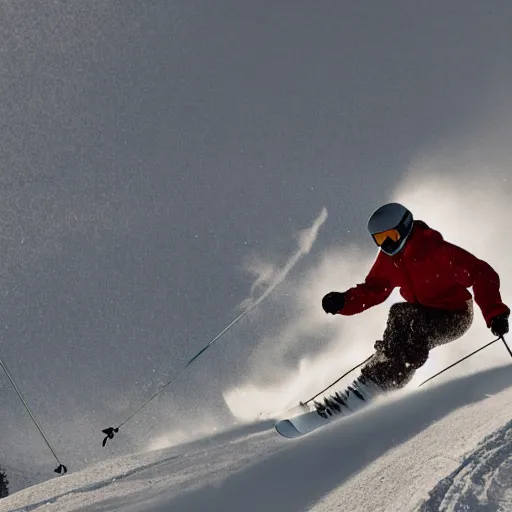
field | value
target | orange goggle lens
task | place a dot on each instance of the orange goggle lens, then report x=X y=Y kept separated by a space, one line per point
x=380 y=238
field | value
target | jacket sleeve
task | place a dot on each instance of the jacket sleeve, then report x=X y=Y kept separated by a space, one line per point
x=376 y=288
x=473 y=272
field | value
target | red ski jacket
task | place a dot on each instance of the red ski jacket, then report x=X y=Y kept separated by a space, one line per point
x=432 y=272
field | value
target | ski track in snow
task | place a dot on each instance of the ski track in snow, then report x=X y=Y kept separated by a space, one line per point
x=393 y=456
x=483 y=482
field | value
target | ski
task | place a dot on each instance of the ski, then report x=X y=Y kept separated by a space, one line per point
x=339 y=405
x=300 y=425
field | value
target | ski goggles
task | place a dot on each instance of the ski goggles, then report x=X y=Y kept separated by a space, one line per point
x=392 y=234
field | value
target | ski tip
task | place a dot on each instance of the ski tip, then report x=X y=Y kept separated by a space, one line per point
x=286 y=429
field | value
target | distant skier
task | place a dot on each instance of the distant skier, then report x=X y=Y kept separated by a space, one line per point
x=433 y=276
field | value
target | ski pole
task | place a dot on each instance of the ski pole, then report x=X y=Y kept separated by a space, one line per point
x=506 y=346
x=61 y=468
x=111 y=431
x=466 y=357
x=335 y=382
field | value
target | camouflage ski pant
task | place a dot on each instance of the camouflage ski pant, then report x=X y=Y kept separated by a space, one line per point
x=412 y=331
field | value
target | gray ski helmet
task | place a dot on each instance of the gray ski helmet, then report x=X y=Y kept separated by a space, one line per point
x=396 y=219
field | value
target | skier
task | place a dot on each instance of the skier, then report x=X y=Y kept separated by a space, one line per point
x=433 y=276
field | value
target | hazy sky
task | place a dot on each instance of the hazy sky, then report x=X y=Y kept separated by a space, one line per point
x=150 y=149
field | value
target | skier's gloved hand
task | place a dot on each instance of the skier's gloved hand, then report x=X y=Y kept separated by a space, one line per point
x=499 y=325
x=333 y=302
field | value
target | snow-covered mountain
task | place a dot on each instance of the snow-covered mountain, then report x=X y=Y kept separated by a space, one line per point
x=444 y=448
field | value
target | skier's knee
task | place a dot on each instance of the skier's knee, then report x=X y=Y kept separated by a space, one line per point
x=415 y=358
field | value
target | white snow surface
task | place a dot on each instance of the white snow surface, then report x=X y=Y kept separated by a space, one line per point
x=445 y=447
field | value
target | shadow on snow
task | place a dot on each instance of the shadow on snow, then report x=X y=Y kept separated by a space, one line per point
x=298 y=476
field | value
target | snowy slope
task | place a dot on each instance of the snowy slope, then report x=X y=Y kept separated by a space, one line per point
x=419 y=451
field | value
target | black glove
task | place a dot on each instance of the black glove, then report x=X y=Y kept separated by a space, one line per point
x=499 y=325
x=333 y=302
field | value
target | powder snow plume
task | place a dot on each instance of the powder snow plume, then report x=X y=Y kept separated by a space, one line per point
x=269 y=276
